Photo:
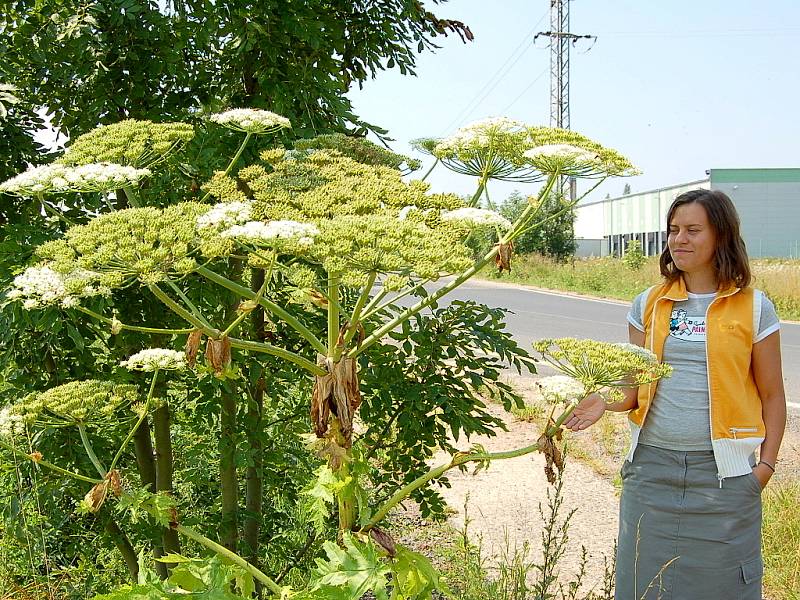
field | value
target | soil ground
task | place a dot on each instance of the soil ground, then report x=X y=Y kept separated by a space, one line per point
x=503 y=502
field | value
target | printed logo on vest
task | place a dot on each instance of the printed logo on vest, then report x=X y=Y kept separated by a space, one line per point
x=690 y=328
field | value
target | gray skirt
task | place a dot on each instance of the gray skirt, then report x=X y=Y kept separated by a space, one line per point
x=681 y=536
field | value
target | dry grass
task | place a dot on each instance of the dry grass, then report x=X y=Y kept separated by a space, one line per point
x=610 y=278
x=781 y=540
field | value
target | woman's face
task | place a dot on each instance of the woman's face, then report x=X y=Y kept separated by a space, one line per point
x=691 y=240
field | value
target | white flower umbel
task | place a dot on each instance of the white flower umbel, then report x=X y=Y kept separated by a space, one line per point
x=565 y=151
x=61 y=179
x=258 y=231
x=11 y=423
x=251 y=120
x=644 y=353
x=156 y=358
x=225 y=214
x=477 y=136
x=477 y=217
x=41 y=286
x=561 y=389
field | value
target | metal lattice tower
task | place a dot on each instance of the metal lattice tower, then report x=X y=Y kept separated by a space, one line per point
x=559 y=63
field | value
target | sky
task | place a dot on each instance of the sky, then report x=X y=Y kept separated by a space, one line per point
x=678 y=87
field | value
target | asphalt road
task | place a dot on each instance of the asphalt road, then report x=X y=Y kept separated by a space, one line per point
x=536 y=314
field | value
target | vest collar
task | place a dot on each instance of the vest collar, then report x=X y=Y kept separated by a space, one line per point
x=676 y=291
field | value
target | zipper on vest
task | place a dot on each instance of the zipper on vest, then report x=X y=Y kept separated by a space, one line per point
x=735 y=430
x=720 y=480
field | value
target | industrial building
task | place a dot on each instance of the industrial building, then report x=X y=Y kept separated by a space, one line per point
x=768 y=202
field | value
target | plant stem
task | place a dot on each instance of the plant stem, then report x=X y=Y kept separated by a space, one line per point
x=333 y=313
x=236 y=343
x=433 y=166
x=270 y=306
x=143 y=446
x=233 y=161
x=133 y=197
x=409 y=312
x=164 y=466
x=48 y=465
x=370 y=309
x=460 y=459
x=356 y=316
x=92 y=456
x=477 y=195
x=99 y=317
x=124 y=546
x=138 y=423
x=231 y=556
x=192 y=308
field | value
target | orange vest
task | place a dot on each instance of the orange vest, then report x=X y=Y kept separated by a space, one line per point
x=737 y=427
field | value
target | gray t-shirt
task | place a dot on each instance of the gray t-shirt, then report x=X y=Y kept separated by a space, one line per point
x=678 y=418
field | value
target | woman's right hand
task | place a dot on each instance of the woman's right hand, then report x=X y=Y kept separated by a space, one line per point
x=588 y=412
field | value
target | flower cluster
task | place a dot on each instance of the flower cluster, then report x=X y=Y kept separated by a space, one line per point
x=61 y=179
x=225 y=214
x=566 y=152
x=251 y=120
x=12 y=422
x=147 y=244
x=260 y=232
x=359 y=149
x=77 y=402
x=130 y=142
x=599 y=365
x=42 y=286
x=477 y=217
x=560 y=389
x=151 y=359
x=490 y=149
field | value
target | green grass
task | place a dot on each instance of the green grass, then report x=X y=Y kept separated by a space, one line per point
x=781 y=541
x=610 y=278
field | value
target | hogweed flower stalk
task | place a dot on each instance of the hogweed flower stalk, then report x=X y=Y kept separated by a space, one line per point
x=602 y=366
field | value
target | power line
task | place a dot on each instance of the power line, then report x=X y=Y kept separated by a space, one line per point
x=523 y=92
x=494 y=80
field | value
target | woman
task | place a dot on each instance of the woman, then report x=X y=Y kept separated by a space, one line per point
x=690 y=512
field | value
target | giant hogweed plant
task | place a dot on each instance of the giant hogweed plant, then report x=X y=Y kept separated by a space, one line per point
x=343 y=237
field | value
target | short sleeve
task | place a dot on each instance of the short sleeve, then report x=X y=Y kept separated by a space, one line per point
x=637 y=309
x=768 y=322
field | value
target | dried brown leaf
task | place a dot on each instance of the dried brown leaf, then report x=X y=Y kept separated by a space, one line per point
x=192 y=346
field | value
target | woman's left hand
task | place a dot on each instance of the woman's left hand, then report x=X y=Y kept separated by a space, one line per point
x=763 y=473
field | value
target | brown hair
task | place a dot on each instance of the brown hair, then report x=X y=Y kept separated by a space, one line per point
x=730 y=256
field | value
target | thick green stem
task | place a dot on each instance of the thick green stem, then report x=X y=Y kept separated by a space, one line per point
x=425 y=302
x=236 y=343
x=433 y=166
x=478 y=193
x=138 y=423
x=356 y=316
x=460 y=459
x=229 y=484
x=124 y=546
x=333 y=313
x=90 y=451
x=164 y=467
x=48 y=465
x=253 y=476
x=133 y=197
x=99 y=317
x=231 y=556
x=145 y=461
x=270 y=306
x=233 y=161
x=371 y=309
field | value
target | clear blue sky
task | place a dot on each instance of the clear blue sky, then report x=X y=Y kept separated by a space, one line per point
x=679 y=87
